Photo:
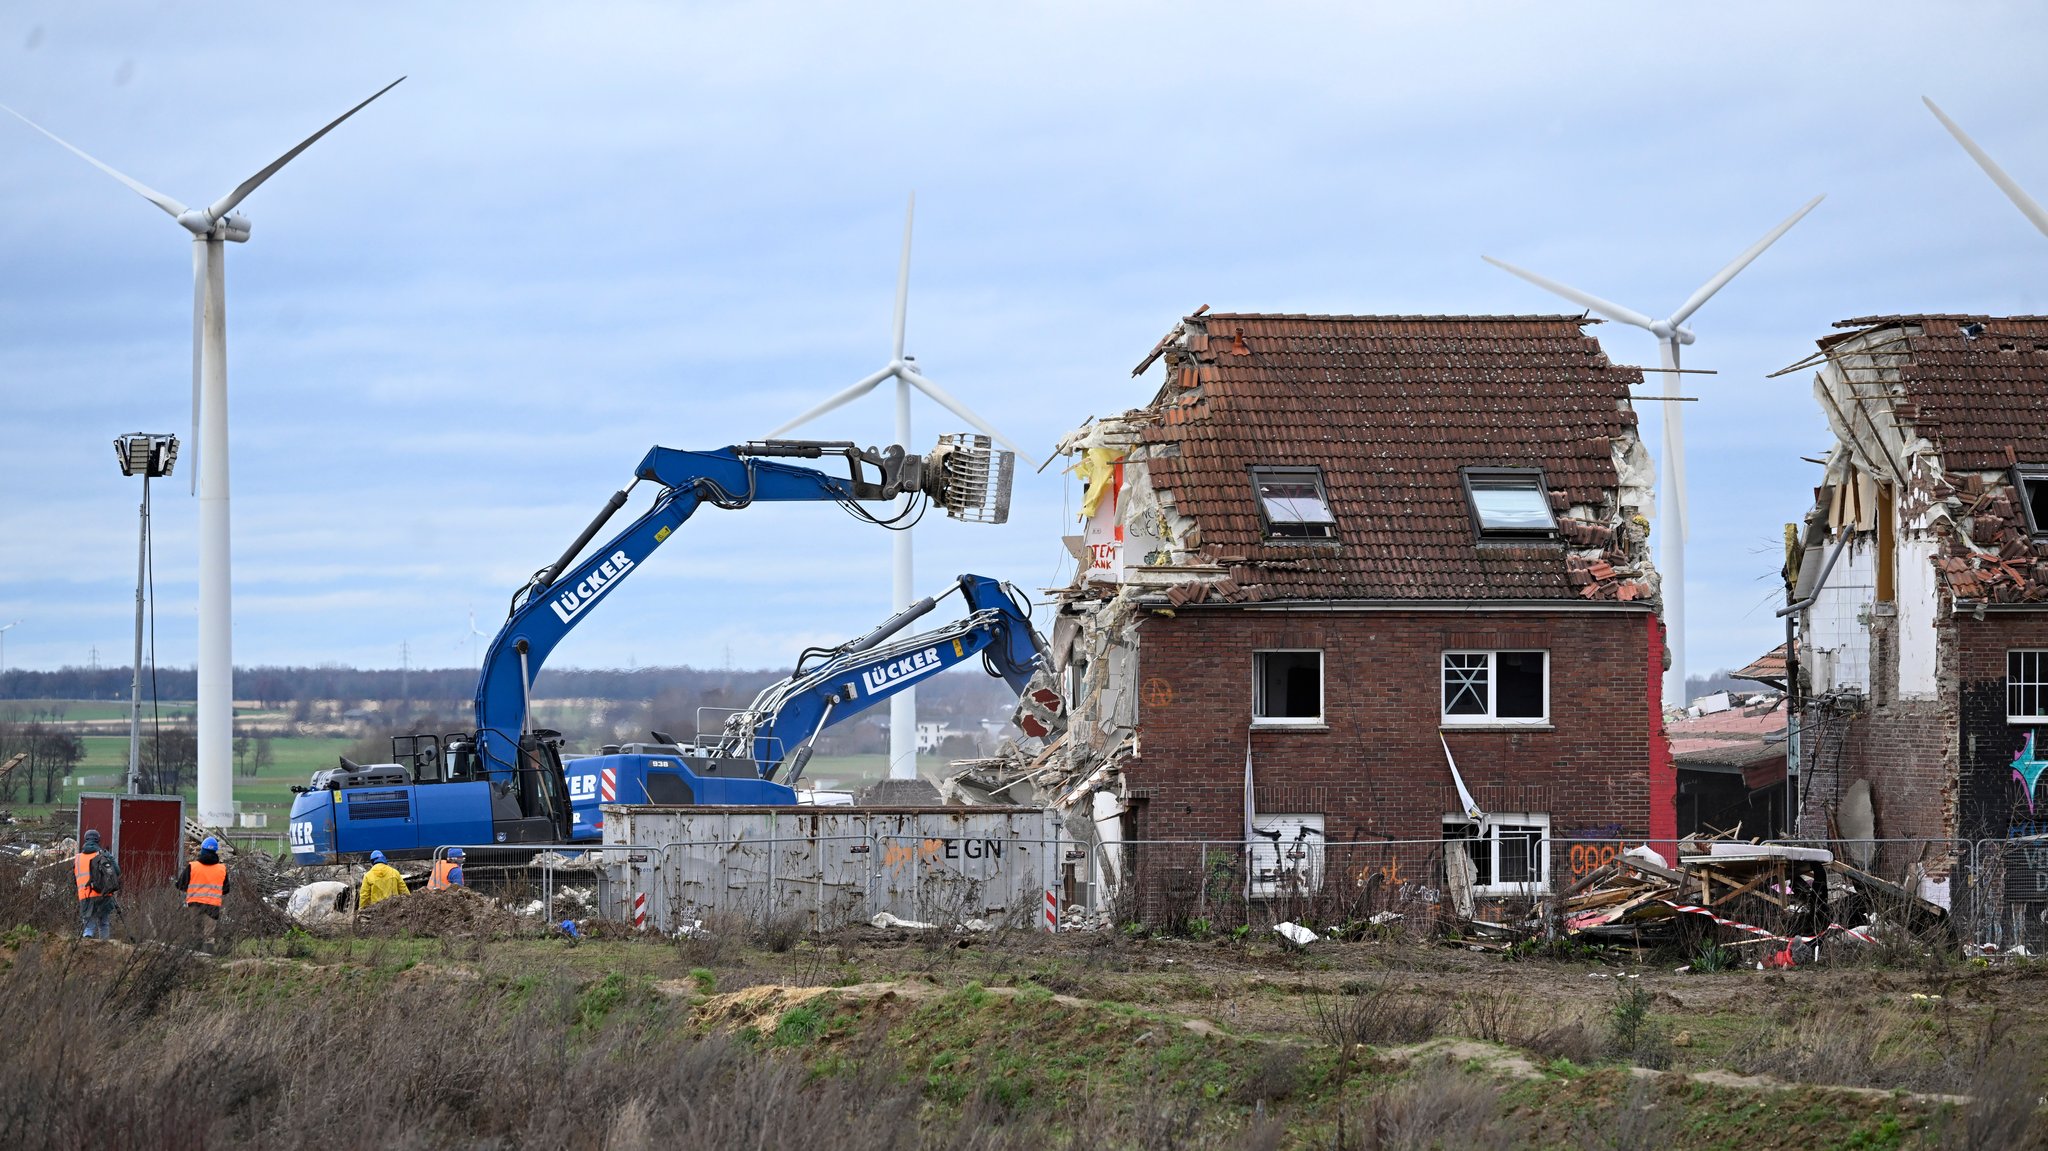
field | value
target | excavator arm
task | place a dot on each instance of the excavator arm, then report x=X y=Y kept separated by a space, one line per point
x=779 y=729
x=963 y=475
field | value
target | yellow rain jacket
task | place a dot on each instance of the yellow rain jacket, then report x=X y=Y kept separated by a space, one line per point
x=382 y=881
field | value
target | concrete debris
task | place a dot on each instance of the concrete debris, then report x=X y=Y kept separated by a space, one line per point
x=319 y=904
x=885 y=920
x=900 y=793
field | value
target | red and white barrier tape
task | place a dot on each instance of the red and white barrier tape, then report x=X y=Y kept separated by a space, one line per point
x=1859 y=934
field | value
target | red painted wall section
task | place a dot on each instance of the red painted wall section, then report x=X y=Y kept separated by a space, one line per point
x=1663 y=771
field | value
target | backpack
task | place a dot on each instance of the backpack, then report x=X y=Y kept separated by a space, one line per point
x=106 y=873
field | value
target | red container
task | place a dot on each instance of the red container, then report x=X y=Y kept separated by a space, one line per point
x=146 y=833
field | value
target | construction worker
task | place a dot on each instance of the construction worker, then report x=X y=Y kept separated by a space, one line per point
x=99 y=877
x=447 y=871
x=381 y=882
x=205 y=884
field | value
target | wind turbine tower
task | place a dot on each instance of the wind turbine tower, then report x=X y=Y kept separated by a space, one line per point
x=1672 y=514
x=212 y=227
x=903 y=369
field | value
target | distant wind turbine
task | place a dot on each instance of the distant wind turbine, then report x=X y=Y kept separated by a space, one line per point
x=212 y=226
x=1671 y=335
x=474 y=635
x=2011 y=187
x=903 y=369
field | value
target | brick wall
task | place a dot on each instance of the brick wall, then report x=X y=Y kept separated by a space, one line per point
x=1937 y=768
x=1377 y=770
x=1992 y=803
x=1905 y=749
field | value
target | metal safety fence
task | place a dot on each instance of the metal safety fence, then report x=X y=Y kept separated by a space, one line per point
x=1990 y=893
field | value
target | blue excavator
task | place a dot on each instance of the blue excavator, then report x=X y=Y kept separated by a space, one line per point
x=505 y=782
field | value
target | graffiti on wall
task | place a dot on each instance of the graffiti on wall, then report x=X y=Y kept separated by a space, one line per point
x=2027 y=768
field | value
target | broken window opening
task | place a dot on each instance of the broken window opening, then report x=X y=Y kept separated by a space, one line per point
x=2026 y=686
x=1509 y=852
x=1510 y=503
x=1496 y=687
x=1287 y=687
x=1294 y=504
x=2031 y=483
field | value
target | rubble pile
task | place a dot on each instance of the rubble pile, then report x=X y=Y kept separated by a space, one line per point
x=450 y=911
x=1763 y=890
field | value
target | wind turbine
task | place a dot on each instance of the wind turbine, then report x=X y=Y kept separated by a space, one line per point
x=474 y=635
x=903 y=369
x=1671 y=335
x=3 y=644
x=2011 y=187
x=211 y=227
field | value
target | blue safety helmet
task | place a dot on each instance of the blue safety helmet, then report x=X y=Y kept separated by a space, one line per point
x=455 y=853
x=209 y=844
x=376 y=857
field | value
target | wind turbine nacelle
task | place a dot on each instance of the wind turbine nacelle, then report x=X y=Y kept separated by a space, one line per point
x=236 y=229
x=1684 y=335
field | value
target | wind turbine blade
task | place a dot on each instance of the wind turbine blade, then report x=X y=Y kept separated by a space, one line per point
x=964 y=412
x=1612 y=311
x=866 y=385
x=226 y=204
x=2006 y=184
x=1736 y=265
x=903 y=276
x=174 y=208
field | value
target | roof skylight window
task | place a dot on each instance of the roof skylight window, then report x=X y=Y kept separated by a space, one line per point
x=1294 y=504
x=1510 y=503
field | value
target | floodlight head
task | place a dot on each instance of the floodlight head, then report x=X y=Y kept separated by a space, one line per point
x=152 y=455
x=970 y=477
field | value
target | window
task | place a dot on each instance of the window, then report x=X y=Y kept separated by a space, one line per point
x=1286 y=855
x=2031 y=483
x=1510 y=503
x=1287 y=687
x=1293 y=503
x=2026 y=686
x=1482 y=687
x=1510 y=853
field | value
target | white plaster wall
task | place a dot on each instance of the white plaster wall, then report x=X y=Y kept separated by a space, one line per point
x=1837 y=623
x=1915 y=587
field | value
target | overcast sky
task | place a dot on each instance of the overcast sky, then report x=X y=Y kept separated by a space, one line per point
x=580 y=230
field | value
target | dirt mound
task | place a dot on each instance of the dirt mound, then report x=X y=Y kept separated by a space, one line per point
x=450 y=911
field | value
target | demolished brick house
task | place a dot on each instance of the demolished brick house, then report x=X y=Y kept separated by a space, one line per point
x=1348 y=549
x=1919 y=584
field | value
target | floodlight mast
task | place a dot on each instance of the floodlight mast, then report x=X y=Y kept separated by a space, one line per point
x=149 y=456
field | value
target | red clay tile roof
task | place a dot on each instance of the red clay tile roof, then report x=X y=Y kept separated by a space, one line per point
x=1973 y=399
x=1390 y=407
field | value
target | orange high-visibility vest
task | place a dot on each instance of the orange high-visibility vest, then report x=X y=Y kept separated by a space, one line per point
x=440 y=878
x=206 y=884
x=81 y=869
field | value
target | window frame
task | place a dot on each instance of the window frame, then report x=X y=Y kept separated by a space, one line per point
x=1320 y=718
x=1467 y=475
x=1268 y=527
x=1491 y=718
x=2038 y=685
x=2022 y=474
x=1489 y=829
